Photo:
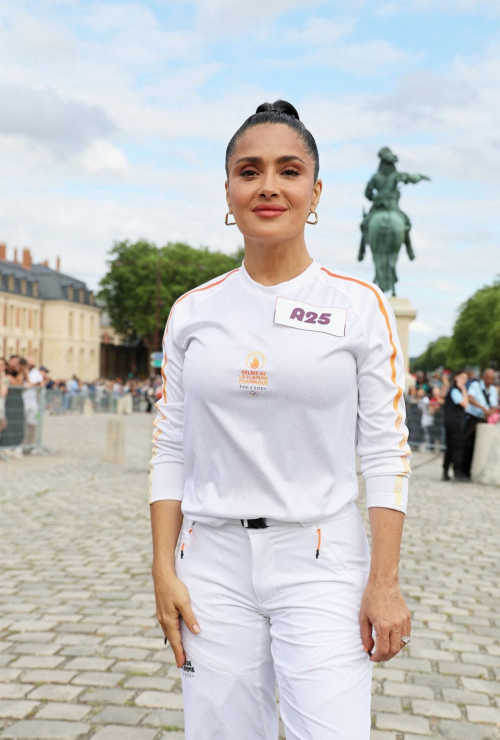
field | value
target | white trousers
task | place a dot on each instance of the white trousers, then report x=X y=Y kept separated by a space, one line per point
x=272 y=609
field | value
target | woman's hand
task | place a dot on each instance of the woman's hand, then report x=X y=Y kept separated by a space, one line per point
x=173 y=602
x=383 y=609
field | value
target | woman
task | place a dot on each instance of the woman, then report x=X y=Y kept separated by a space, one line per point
x=456 y=401
x=4 y=388
x=254 y=446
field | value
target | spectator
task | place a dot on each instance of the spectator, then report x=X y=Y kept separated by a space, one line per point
x=483 y=401
x=4 y=389
x=456 y=401
x=427 y=419
x=31 y=397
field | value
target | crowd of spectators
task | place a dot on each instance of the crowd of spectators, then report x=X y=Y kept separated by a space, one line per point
x=21 y=383
x=443 y=410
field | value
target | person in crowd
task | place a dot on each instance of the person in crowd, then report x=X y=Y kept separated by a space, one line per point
x=483 y=401
x=436 y=403
x=422 y=381
x=47 y=383
x=456 y=401
x=73 y=388
x=426 y=419
x=31 y=400
x=13 y=433
x=4 y=389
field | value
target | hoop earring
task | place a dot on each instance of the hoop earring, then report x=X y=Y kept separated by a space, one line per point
x=313 y=223
x=226 y=221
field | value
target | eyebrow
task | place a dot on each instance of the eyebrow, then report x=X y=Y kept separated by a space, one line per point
x=280 y=160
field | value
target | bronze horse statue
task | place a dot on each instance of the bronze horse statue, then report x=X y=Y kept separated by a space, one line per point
x=385 y=228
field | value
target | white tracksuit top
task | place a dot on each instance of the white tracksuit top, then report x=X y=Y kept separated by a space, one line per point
x=270 y=390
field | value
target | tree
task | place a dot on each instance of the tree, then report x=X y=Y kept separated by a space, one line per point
x=476 y=334
x=143 y=281
x=436 y=355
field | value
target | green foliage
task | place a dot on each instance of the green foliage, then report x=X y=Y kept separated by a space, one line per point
x=130 y=289
x=435 y=355
x=476 y=335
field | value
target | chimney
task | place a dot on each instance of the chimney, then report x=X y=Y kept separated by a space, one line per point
x=45 y=263
x=58 y=264
x=3 y=252
x=15 y=255
x=27 y=258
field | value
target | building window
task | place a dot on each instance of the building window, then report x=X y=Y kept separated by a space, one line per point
x=91 y=299
x=82 y=296
x=70 y=327
x=35 y=290
x=24 y=286
x=30 y=318
x=35 y=322
x=17 y=316
x=11 y=319
x=23 y=320
x=5 y=314
x=11 y=282
x=71 y=293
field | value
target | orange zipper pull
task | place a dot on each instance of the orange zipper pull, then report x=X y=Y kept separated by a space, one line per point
x=319 y=543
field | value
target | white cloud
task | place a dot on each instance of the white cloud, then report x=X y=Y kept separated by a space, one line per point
x=420 y=327
x=445 y=286
x=62 y=124
x=101 y=157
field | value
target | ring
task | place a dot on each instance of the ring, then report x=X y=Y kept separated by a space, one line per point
x=406 y=639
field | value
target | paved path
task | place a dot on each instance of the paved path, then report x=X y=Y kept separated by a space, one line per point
x=81 y=654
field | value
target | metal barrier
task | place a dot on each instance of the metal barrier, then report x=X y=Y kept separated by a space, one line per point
x=21 y=423
x=426 y=430
x=96 y=401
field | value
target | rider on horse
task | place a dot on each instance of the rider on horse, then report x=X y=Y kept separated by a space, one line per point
x=383 y=190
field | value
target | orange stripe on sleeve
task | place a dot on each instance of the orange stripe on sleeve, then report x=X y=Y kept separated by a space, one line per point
x=399 y=390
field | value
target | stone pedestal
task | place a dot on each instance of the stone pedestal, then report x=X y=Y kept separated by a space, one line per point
x=486 y=460
x=115 y=441
x=405 y=313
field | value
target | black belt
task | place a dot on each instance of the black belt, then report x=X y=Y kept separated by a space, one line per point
x=254 y=523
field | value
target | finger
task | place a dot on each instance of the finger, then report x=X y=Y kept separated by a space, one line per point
x=171 y=630
x=174 y=638
x=395 y=643
x=382 y=646
x=188 y=617
x=366 y=632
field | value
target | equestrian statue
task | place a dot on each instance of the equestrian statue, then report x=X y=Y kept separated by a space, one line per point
x=385 y=227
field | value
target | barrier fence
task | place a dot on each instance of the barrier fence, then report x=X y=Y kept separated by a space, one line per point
x=26 y=409
x=22 y=423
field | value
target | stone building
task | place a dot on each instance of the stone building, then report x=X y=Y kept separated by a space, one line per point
x=50 y=316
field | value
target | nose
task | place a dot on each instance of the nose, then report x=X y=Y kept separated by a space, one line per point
x=269 y=186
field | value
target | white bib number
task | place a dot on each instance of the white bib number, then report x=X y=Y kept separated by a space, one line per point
x=300 y=315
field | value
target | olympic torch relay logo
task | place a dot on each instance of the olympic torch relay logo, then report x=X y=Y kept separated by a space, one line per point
x=253 y=379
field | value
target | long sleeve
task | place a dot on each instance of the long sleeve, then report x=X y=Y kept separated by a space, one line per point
x=382 y=435
x=166 y=480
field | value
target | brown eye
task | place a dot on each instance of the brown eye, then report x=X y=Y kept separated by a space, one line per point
x=291 y=173
x=248 y=173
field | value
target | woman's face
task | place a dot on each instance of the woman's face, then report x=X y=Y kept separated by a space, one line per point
x=270 y=188
x=461 y=378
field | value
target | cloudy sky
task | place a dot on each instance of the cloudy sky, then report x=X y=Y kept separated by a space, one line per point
x=116 y=115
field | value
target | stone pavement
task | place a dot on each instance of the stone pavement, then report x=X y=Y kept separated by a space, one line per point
x=82 y=656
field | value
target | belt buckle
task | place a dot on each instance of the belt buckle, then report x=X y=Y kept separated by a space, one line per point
x=254 y=523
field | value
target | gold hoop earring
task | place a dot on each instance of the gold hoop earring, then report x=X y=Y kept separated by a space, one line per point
x=226 y=221
x=313 y=223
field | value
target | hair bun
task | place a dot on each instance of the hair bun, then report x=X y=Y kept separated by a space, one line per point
x=279 y=106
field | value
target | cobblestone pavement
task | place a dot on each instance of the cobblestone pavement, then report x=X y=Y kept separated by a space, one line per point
x=81 y=654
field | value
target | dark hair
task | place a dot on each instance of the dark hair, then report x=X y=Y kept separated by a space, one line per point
x=278 y=112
